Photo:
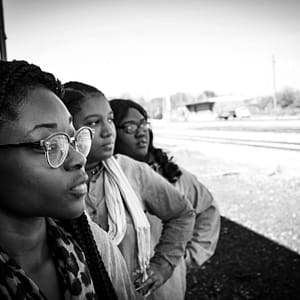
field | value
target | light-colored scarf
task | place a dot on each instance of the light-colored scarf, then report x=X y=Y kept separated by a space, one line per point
x=117 y=192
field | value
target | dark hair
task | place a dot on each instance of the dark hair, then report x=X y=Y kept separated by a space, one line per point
x=75 y=93
x=162 y=162
x=16 y=79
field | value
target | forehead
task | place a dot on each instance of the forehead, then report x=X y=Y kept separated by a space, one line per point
x=133 y=114
x=41 y=109
x=94 y=105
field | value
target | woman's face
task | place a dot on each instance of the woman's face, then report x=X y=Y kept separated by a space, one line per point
x=29 y=186
x=135 y=145
x=96 y=113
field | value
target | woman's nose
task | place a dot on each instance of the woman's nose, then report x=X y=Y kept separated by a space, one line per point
x=107 y=129
x=74 y=160
x=141 y=130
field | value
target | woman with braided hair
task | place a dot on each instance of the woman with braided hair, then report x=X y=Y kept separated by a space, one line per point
x=135 y=139
x=122 y=192
x=49 y=249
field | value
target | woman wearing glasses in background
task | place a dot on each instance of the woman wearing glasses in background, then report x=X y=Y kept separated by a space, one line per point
x=135 y=139
x=43 y=253
x=121 y=189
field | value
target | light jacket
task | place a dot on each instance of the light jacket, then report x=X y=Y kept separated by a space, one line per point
x=158 y=197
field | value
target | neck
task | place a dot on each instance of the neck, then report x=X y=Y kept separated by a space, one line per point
x=90 y=168
x=149 y=158
x=24 y=240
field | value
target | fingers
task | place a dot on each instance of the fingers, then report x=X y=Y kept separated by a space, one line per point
x=153 y=282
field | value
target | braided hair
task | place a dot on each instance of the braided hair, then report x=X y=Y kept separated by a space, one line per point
x=81 y=231
x=76 y=93
x=162 y=162
x=16 y=79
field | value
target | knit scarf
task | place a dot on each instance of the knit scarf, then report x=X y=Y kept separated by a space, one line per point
x=117 y=192
x=69 y=259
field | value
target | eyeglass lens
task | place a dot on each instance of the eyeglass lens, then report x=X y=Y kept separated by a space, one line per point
x=133 y=127
x=58 y=146
x=83 y=141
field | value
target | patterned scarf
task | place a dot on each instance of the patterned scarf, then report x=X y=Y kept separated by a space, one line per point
x=117 y=192
x=69 y=259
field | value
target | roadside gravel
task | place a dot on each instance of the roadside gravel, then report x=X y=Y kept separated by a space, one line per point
x=258 y=252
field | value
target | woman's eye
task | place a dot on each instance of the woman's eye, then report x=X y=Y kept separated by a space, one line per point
x=111 y=120
x=93 y=123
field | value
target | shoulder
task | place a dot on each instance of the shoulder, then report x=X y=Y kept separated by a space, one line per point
x=187 y=176
x=129 y=164
x=189 y=182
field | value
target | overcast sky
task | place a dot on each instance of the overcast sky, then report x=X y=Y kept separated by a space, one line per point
x=159 y=47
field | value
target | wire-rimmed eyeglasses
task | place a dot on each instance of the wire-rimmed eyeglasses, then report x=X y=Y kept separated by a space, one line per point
x=56 y=146
x=132 y=127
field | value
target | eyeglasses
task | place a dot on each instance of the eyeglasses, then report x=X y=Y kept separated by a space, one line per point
x=57 y=145
x=132 y=127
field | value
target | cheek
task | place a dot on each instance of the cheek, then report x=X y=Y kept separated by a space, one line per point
x=114 y=132
x=29 y=189
x=125 y=140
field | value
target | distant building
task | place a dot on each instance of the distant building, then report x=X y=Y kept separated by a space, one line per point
x=215 y=106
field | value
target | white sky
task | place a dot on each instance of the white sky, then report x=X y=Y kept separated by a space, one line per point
x=159 y=47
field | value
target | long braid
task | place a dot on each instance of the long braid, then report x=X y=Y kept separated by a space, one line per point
x=81 y=231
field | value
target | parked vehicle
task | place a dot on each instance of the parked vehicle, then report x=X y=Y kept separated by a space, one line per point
x=242 y=112
x=237 y=113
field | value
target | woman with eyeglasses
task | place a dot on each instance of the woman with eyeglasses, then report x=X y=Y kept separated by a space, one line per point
x=135 y=139
x=49 y=249
x=121 y=190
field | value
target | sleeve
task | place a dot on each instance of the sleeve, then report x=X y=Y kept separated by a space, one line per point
x=207 y=225
x=176 y=213
x=114 y=264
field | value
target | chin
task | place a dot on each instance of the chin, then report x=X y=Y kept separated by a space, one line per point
x=105 y=156
x=75 y=211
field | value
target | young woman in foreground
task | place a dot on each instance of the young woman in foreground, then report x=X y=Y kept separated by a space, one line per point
x=43 y=255
x=122 y=189
x=135 y=139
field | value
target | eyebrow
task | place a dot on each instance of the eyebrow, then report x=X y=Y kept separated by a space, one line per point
x=134 y=121
x=111 y=113
x=45 y=125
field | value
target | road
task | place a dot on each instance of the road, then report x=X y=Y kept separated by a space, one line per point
x=268 y=144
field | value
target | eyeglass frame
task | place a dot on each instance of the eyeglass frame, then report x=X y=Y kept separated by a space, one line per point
x=144 y=124
x=45 y=146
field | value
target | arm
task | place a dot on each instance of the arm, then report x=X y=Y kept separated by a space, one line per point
x=114 y=264
x=176 y=213
x=207 y=226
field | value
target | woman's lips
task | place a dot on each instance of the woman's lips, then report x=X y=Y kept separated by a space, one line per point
x=142 y=144
x=108 y=146
x=80 y=189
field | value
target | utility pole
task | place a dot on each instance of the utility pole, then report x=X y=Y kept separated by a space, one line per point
x=3 y=55
x=167 y=108
x=274 y=84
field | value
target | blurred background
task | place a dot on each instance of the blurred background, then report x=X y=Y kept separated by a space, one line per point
x=166 y=54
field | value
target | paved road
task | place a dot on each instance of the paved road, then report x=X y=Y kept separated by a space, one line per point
x=267 y=144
